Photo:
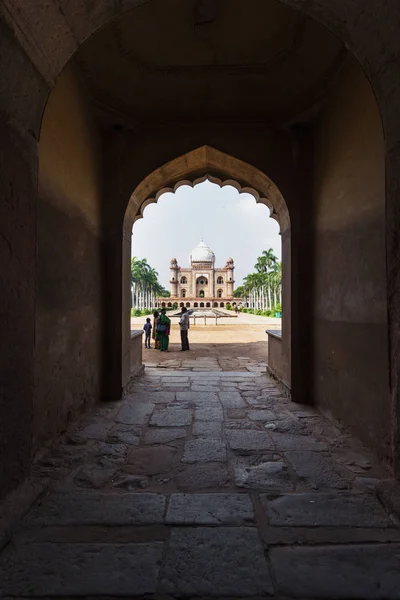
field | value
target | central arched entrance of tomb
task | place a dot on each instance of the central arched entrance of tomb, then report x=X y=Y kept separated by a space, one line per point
x=221 y=169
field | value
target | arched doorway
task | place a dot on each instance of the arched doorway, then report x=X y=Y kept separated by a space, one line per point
x=208 y=159
x=23 y=119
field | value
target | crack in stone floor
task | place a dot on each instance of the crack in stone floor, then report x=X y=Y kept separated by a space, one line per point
x=205 y=483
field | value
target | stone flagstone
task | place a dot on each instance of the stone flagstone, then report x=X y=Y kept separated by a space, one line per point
x=96 y=508
x=53 y=570
x=327 y=509
x=209 y=509
x=204 y=450
x=172 y=417
x=370 y=572
x=221 y=561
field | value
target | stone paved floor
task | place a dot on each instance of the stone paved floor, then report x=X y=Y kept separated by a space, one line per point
x=207 y=484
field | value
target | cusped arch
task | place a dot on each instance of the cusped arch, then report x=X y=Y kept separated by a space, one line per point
x=219 y=168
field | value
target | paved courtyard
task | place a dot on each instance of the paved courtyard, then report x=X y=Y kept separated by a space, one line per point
x=207 y=483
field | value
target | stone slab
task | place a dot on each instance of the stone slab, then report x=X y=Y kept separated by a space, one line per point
x=207 y=429
x=53 y=570
x=205 y=388
x=327 y=510
x=197 y=398
x=95 y=476
x=290 y=426
x=317 y=470
x=370 y=572
x=172 y=417
x=247 y=440
x=150 y=460
x=288 y=441
x=262 y=474
x=241 y=424
x=209 y=509
x=152 y=397
x=204 y=450
x=92 y=431
x=260 y=415
x=202 y=476
x=163 y=436
x=209 y=414
x=109 y=450
x=91 y=508
x=127 y=434
x=222 y=561
x=137 y=413
x=232 y=399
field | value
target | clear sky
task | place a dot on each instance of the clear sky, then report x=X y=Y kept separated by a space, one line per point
x=231 y=224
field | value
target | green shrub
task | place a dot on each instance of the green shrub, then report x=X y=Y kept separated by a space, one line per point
x=228 y=306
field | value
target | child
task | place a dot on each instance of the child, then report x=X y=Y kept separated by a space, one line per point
x=147 y=330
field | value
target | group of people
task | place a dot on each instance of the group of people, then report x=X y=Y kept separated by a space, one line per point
x=161 y=329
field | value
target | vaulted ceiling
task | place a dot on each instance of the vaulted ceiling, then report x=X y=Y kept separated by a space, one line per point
x=177 y=61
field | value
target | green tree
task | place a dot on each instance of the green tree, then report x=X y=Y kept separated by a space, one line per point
x=263 y=288
x=239 y=292
x=145 y=284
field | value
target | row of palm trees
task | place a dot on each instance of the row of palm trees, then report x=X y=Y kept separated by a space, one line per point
x=145 y=285
x=263 y=288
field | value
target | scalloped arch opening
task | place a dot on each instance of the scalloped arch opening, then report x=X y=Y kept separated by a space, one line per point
x=218 y=168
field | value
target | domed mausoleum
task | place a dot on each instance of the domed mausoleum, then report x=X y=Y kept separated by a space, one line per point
x=202 y=285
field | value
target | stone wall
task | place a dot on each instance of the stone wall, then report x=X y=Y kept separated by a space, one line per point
x=351 y=342
x=68 y=324
x=19 y=115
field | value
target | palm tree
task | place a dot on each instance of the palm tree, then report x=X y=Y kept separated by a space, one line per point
x=264 y=265
x=145 y=284
x=264 y=286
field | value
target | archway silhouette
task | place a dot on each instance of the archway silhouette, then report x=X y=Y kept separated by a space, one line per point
x=49 y=54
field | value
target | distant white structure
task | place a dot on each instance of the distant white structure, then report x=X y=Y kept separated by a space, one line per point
x=202 y=285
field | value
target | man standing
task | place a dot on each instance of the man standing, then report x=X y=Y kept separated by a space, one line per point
x=184 y=325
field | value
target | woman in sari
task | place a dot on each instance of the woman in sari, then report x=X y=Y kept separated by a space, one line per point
x=154 y=334
x=164 y=328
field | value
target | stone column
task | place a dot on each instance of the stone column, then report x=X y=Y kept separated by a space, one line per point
x=194 y=276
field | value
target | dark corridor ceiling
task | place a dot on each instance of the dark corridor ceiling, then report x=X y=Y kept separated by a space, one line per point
x=189 y=61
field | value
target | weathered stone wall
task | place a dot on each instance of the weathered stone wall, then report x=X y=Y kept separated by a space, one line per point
x=69 y=295
x=19 y=115
x=351 y=342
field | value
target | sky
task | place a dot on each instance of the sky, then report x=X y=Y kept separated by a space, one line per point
x=231 y=224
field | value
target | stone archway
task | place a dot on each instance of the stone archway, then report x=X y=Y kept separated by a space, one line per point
x=32 y=60
x=193 y=168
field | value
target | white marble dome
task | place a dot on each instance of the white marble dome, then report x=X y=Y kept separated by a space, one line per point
x=202 y=253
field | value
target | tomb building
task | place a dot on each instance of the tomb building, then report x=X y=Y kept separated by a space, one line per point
x=202 y=284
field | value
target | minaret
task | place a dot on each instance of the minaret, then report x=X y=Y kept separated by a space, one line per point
x=230 y=277
x=174 y=270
